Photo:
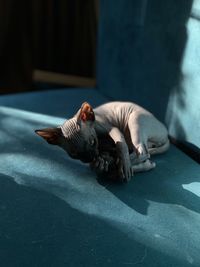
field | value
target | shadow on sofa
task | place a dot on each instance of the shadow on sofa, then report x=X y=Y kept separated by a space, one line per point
x=161 y=186
x=39 y=229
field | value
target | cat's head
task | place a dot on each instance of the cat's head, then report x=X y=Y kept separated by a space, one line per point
x=77 y=136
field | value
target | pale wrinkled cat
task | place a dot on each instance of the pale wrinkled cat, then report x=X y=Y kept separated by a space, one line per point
x=136 y=133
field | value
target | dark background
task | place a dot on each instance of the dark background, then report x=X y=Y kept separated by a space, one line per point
x=57 y=36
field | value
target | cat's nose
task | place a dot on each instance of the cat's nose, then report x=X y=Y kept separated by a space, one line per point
x=87 y=157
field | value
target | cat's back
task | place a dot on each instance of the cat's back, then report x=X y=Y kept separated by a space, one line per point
x=117 y=107
x=117 y=113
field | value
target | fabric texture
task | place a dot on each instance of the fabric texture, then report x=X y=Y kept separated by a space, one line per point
x=183 y=110
x=54 y=212
x=149 y=53
x=58 y=102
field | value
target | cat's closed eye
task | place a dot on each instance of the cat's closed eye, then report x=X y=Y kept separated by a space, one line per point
x=93 y=142
x=73 y=154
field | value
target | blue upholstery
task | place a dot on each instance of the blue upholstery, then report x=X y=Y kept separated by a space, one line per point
x=141 y=57
x=183 y=111
x=149 y=53
x=60 y=103
x=55 y=213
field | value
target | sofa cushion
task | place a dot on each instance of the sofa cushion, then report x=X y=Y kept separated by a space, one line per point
x=61 y=102
x=148 y=52
x=54 y=212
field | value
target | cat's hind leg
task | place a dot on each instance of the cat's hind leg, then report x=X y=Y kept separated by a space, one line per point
x=158 y=148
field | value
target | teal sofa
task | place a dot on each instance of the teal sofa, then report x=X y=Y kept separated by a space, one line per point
x=53 y=210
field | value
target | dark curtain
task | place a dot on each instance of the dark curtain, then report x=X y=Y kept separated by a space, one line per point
x=15 y=45
x=51 y=35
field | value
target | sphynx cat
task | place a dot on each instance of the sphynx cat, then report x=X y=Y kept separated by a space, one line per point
x=134 y=131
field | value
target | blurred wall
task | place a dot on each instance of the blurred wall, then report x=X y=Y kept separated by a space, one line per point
x=52 y=35
x=64 y=36
x=15 y=45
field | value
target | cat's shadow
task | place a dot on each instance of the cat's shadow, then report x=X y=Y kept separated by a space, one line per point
x=158 y=186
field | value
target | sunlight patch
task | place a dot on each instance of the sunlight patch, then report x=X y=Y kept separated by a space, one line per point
x=193 y=187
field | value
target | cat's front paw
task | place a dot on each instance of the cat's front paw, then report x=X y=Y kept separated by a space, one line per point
x=125 y=168
x=100 y=164
x=142 y=152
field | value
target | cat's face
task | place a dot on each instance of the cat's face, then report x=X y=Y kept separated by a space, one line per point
x=79 y=140
x=76 y=136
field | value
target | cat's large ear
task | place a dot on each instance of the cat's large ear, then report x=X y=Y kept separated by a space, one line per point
x=86 y=113
x=51 y=135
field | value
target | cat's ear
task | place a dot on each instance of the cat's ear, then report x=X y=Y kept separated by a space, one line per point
x=51 y=135
x=86 y=113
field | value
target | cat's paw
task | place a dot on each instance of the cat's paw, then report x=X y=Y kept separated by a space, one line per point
x=100 y=164
x=142 y=152
x=125 y=168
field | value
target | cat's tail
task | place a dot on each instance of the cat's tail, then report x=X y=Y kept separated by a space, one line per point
x=159 y=149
